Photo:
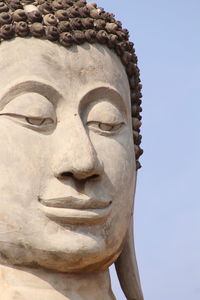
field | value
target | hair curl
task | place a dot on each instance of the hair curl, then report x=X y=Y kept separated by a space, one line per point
x=76 y=22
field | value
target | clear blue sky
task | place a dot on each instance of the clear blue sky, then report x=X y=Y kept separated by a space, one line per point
x=167 y=40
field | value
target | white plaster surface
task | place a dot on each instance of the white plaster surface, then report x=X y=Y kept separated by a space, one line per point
x=67 y=169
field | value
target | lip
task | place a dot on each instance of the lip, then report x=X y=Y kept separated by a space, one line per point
x=73 y=210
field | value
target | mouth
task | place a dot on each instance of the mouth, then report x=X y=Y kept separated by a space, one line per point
x=76 y=211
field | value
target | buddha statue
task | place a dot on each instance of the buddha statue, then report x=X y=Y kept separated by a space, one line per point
x=70 y=146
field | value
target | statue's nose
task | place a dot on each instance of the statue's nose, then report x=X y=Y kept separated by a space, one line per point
x=76 y=156
x=86 y=169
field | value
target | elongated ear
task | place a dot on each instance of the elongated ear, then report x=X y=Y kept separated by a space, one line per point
x=127 y=270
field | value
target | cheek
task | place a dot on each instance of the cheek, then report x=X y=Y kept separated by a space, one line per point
x=119 y=182
x=20 y=176
x=117 y=155
x=120 y=172
x=21 y=162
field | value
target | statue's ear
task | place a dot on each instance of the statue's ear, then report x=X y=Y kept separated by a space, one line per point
x=127 y=270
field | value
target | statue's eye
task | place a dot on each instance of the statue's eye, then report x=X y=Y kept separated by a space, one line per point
x=108 y=127
x=104 y=127
x=35 y=123
x=105 y=118
x=39 y=121
x=31 y=110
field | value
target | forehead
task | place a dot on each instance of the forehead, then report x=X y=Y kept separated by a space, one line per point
x=73 y=70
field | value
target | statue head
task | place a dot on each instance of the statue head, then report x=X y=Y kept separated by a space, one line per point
x=70 y=123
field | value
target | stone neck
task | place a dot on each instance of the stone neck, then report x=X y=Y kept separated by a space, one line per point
x=28 y=283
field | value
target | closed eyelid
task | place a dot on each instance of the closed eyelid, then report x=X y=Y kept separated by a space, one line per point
x=23 y=116
x=30 y=86
x=103 y=92
x=106 y=112
x=30 y=104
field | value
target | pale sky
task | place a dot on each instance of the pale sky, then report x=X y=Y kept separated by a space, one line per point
x=167 y=40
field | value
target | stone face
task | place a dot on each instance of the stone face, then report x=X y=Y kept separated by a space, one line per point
x=75 y=22
x=67 y=167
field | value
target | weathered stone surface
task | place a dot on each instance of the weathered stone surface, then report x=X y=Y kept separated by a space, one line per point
x=67 y=160
x=67 y=165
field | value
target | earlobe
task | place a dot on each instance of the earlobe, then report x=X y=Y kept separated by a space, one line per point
x=127 y=270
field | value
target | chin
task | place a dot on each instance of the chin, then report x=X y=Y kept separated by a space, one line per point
x=85 y=252
x=72 y=252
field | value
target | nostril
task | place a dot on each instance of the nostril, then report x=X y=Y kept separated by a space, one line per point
x=66 y=174
x=80 y=177
x=95 y=176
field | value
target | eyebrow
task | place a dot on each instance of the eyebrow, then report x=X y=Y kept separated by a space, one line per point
x=30 y=86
